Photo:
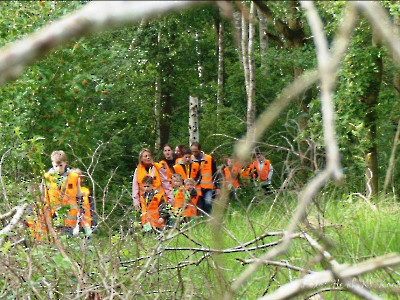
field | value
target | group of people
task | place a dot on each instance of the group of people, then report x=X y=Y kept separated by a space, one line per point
x=186 y=181
x=177 y=188
x=64 y=205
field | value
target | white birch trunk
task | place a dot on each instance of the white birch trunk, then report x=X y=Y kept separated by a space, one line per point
x=193 y=119
x=251 y=109
x=157 y=105
x=220 y=83
x=262 y=21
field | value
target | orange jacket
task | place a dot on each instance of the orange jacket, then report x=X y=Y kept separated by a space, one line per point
x=149 y=206
x=194 y=172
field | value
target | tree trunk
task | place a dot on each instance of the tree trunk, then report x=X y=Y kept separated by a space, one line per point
x=157 y=105
x=221 y=68
x=193 y=119
x=371 y=119
x=262 y=22
x=251 y=107
x=396 y=82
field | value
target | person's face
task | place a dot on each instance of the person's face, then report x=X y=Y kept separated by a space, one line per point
x=167 y=151
x=81 y=178
x=189 y=186
x=229 y=162
x=146 y=158
x=195 y=151
x=176 y=182
x=186 y=158
x=259 y=156
x=59 y=166
x=178 y=152
x=147 y=187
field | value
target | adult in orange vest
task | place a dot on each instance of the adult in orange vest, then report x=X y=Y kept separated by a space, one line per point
x=147 y=167
x=209 y=181
x=60 y=189
x=169 y=160
x=262 y=170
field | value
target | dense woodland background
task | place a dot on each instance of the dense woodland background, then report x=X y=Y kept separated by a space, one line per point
x=105 y=89
x=103 y=97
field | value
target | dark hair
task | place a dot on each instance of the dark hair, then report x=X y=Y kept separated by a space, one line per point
x=196 y=144
x=147 y=180
x=167 y=145
x=186 y=150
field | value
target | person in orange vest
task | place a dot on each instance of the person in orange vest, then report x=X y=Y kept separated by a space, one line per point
x=146 y=167
x=180 y=196
x=150 y=202
x=191 y=205
x=262 y=170
x=186 y=197
x=87 y=216
x=169 y=160
x=231 y=173
x=178 y=153
x=60 y=188
x=188 y=168
x=209 y=179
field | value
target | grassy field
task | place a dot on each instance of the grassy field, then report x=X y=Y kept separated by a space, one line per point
x=206 y=256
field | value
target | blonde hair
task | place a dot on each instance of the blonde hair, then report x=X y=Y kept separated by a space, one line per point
x=190 y=180
x=141 y=153
x=58 y=156
x=77 y=171
x=177 y=176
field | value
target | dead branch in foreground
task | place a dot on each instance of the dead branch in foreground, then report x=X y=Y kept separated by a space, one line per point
x=319 y=279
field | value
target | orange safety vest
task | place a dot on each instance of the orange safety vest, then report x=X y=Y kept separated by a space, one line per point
x=150 y=213
x=55 y=197
x=245 y=175
x=231 y=176
x=181 y=169
x=191 y=208
x=179 y=197
x=194 y=171
x=166 y=166
x=87 y=215
x=206 y=172
x=142 y=172
x=263 y=172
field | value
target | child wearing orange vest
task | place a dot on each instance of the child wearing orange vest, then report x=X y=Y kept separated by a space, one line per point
x=231 y=173
x=191 y=207
x=188 y=168
x=60 y=191
x=86 y=216
x=150 y=202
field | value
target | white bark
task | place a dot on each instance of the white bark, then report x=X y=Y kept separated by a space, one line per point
x=220 y=83
x=193 y=119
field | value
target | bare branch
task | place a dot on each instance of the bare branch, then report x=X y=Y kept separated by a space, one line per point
x=94 y=17
x=18 y=210
x=318 y=279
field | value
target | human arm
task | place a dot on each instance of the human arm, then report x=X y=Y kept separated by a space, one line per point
x=135 y=191
x=166 y=185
